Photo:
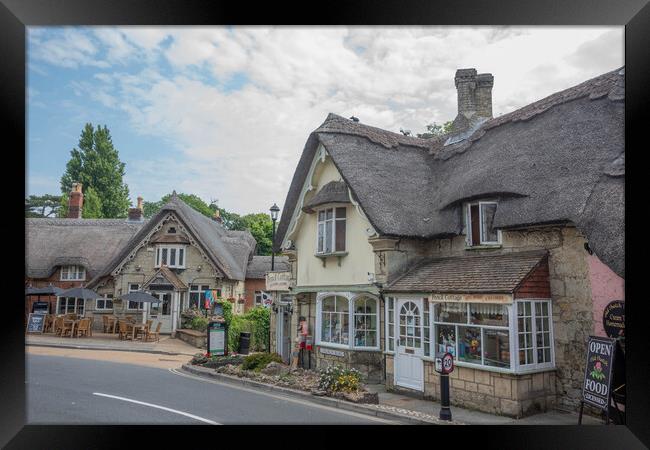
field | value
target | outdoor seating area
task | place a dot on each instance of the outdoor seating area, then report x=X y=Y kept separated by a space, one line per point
x=123 y=328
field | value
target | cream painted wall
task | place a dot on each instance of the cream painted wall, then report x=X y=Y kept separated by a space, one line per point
x=355 y=265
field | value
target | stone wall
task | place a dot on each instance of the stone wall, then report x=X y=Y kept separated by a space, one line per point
x=369 y=363
x=487 y=391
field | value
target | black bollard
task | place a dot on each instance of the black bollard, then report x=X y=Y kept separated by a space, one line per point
x=445 y=411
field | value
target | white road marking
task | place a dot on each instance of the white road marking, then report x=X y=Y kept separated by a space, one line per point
x=286 y=398
x=151 y=405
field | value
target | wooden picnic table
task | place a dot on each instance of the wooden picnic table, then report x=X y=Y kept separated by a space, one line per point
x=135 y=327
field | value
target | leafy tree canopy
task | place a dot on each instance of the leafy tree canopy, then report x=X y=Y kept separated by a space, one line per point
x=96 y=164
x=434 y=130
x=42 y=205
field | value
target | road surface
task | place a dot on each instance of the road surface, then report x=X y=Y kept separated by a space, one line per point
x=70 y=390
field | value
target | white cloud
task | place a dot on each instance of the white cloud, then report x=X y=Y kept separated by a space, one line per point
x=242 y=144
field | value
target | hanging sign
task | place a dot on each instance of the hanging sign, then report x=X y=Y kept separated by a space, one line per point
x=217 y=338
x=598 y=373
x=614 y=319
x=278 y=281
x=35 y=323
x=41 y=307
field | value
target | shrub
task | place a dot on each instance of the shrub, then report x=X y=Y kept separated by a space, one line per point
x=260 y=319
x=199 y=323
x=258 y=361
x=337 y=379
x=188 y=315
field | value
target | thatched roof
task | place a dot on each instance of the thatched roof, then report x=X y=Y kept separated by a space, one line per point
x=557 y=160
x=87 y=242
x=469 y=274
x=332 y=192
x=259 y=265
x=228 y=250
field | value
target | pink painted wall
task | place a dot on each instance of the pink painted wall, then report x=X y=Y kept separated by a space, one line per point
x=606 y=286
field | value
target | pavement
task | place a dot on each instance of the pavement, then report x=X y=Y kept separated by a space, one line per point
x=171 y=353
x=108 y=341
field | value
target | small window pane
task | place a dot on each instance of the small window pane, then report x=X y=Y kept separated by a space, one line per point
x=496 y=348
x=340 y=235
x=328 y=237
x=328 y=213
x=488 y=233
x=181 y=256
x=451 y=312
x=164 y=256
x=446 y=338
x=340 y=213
x=328 y=304
x=469 y=344
x=488 y=314
x=172 y=257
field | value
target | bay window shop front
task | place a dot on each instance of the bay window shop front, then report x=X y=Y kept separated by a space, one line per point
x=502 y=342
x=347 y=332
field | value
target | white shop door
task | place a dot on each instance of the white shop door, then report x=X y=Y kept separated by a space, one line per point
x=409 y=369
x=161 y=312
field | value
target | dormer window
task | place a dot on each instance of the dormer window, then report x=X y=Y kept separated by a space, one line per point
x=331 y=230
x=171 y=230
x=73 y=273
x=172 y=256
x=480 y=220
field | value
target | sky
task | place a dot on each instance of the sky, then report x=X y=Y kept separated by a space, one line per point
x=224 y=112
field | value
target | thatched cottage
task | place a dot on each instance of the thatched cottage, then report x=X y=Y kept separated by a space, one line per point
x=500 y=242
x=177 y=255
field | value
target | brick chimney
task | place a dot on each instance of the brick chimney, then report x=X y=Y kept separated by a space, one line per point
x=75 y=202
x=136 y=214
x=474 y=99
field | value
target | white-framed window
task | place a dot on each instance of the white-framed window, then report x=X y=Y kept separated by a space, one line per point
x=347 y=321
x=390 y=324
x=170 y=255
x=73 y=273
x=71 y=305
x=515 y=337
x=259 y=299
x=479 y=219
x=534 y=334
x=105 y=303
x=134 y=305
x=197 y=295
x=331 y=230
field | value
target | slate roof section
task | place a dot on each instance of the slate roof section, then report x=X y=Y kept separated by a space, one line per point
x=332 y=192
x=229 y=250
x=92 y=243
x=261 y=264
x=556 y=161
x=469 y=274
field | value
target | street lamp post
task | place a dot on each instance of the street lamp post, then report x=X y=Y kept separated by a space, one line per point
x=274 y=216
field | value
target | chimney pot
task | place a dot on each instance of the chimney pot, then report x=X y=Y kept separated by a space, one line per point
x=136 y=214
x=75 y=202
x=140 y=204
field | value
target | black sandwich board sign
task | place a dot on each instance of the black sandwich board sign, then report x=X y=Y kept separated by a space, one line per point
x=217 y=338
x=602 y=368
x=35 y=323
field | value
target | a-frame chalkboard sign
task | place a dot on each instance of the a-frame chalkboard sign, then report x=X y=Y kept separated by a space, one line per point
x=35 y=323
x=604 y=378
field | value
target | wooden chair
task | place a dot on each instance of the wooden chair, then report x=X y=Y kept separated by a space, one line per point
x=67 y=327
x=153 y=334
x=83 y=328
x=49 y=323
x=124 y=330
x=58 y=324
x=105 y=324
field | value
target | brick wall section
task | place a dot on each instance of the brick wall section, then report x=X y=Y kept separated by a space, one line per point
x=252 y=285
x=55 y=280
x=536 y=284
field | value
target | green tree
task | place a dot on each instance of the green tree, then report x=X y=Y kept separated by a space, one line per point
x=96 y=164
x=42 y=205
x=150 y=209
x=433 y=130
x=261 y=227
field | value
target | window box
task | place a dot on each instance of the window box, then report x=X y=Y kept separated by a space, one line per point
x=324 y=256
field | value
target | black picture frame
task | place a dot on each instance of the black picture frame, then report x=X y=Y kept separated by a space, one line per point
x=15 y=15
